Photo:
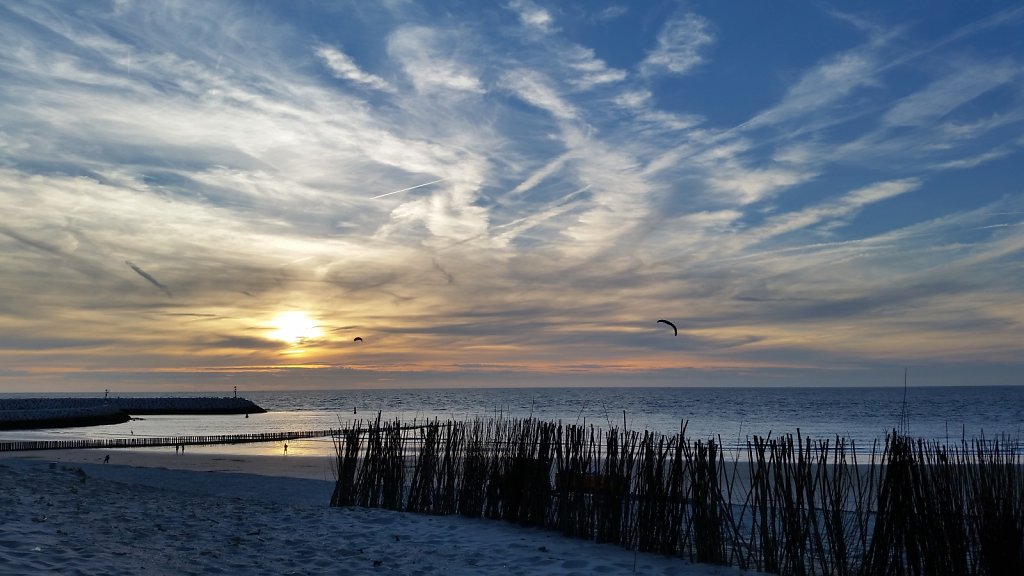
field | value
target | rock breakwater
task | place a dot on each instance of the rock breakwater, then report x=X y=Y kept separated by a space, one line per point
x=26 y=413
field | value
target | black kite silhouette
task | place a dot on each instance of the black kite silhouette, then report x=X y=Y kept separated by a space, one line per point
x=357 y=339
x=674 y=330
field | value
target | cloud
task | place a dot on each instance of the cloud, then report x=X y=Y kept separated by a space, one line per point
x=510 y=231
x=149 y=278
x=587 y=70
x=38 y=245
x=533 y=16
x=612 y=12
x=679 y=46
x=448 y=214
x=836 y=212
x=735 y=184
x=534 y=89
x=619 y=198
x=963 y=84
x=829 y=81
x=879 y=191
x=449 y=278
x=977 y=159
x=633 y=99
x=594 y=71
x=430 y=60
x=343 y=67
x=553 y=166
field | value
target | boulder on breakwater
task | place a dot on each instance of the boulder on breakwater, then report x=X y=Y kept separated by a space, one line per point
x=25 y=413
x=171 y=405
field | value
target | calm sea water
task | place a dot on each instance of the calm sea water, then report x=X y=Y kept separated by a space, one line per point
x=731 y=414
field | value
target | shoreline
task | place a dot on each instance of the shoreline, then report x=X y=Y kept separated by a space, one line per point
x=280 y=466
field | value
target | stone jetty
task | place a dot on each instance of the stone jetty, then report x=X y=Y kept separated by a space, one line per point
x=26 y=413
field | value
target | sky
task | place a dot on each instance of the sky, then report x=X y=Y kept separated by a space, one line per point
x=201 y=195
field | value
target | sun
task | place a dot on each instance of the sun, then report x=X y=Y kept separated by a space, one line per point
x=294 y=328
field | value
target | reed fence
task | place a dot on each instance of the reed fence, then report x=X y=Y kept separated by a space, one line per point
x=788 y=505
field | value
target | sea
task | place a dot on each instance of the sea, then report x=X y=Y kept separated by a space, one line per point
x=731 y=416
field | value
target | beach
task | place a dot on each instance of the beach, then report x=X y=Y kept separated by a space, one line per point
x=160 y=512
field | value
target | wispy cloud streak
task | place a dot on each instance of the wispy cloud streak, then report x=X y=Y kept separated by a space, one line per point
x=149 y=278
x=343 y=67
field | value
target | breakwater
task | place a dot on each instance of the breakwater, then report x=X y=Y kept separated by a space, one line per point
x=62 y=417
x=27 y=413
x=172 y=405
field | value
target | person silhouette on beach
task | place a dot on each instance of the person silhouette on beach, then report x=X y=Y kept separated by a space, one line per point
x=285 y=447
x=106 y=458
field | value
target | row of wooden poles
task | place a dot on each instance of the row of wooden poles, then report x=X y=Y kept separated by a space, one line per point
x=789 y=505
x=146 y=442
x=152 y=442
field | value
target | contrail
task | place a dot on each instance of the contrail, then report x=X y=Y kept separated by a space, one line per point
x=409 y=188
x=152 y=280
x=541 y=174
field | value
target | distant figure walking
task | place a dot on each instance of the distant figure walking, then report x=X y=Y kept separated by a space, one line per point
x=285 y=447
x=106 y=458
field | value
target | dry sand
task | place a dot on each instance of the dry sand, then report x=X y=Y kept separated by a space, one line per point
x=156 y=512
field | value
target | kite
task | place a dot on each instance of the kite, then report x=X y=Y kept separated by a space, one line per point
x=674 y=330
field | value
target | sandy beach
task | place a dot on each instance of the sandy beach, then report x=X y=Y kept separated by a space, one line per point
x=157 y=512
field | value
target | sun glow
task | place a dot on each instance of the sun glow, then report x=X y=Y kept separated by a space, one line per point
x=294 y=328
